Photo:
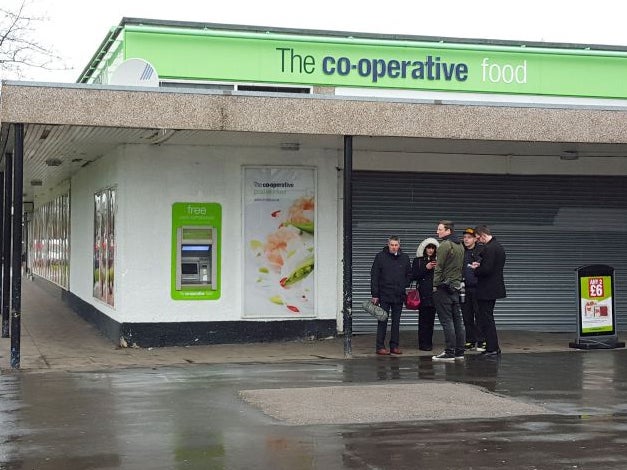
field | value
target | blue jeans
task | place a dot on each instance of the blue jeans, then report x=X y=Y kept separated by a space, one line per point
x=394 y=311
x=450 y=316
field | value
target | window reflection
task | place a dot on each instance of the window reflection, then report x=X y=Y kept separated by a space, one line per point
x=104 y=245
x=49 y=236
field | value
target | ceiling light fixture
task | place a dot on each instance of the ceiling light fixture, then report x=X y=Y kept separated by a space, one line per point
x=53 y=162
x=569 y=155
x=290 y=146
x=159 y=136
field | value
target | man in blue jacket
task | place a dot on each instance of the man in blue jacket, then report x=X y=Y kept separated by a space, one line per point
x=389 y=277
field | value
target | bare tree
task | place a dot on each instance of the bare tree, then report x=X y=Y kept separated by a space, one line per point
x=19 y=50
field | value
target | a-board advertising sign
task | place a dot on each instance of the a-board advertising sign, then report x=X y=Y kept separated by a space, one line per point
x=596 y=319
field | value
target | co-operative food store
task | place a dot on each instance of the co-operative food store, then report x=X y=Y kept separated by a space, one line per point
x=191 y=187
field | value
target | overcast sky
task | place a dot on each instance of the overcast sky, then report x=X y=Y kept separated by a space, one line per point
x=75 y=28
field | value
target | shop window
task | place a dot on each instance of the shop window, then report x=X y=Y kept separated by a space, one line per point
x=197 y=85
x=49 y=241
x=232 y=87
x=274 y=89
x=104 y=246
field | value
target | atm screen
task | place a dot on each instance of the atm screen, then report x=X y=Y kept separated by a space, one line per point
x=195 y=251
x=195 y=248
x=189 y=268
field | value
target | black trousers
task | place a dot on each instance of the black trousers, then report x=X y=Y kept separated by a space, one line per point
x=426 y=319
x=394 y=311
x=470 y=312
x=487 y=325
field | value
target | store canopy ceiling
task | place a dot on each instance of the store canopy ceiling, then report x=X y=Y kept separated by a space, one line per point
x=67 y=128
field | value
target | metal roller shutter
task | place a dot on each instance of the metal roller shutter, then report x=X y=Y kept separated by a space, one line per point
x=549 y=226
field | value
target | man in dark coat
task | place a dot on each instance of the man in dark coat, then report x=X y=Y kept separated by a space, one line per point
x=470 y=308
x=389 y=277
x=490 y=286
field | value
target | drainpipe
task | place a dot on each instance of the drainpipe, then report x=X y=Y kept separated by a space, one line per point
x=6 y=243
x=16 y=287
x=348 y=247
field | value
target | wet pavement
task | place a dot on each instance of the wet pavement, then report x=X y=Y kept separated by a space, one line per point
x=193 y=417
x=55 y=338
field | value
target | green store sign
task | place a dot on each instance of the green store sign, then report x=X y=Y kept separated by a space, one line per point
x=190 y=54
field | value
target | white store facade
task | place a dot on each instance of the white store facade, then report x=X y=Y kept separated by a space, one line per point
x=179 y=199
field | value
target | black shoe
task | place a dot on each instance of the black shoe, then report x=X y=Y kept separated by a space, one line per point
x=469 y=346
x=425 y=348
x=445 y=356
x=491 y=353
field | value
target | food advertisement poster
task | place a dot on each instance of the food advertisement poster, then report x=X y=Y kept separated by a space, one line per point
x=596 y=304
x=279 y=207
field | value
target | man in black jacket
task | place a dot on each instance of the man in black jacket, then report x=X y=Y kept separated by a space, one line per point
x=470 y=308
x=490 y=286
x=389 y=277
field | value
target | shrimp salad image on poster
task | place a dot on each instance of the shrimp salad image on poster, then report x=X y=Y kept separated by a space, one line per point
x=280 y=243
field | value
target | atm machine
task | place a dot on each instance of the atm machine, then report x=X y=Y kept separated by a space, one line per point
x=196 y=257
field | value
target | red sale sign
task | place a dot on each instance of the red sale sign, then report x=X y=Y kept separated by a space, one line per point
x=595 y=287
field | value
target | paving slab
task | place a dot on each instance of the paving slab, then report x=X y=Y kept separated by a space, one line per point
x=385 y=403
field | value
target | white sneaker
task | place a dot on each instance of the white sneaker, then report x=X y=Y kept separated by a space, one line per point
x=444 y=357
x=480 y=347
